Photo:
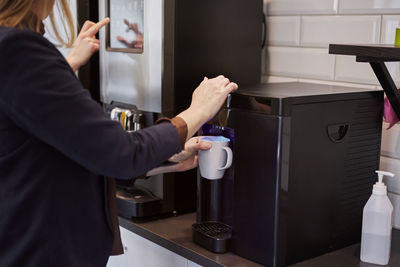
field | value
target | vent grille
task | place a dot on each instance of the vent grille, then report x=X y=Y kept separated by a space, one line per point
x=362 y=159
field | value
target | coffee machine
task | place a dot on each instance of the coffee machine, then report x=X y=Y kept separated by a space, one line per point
x=304 y=161
x=153 y=55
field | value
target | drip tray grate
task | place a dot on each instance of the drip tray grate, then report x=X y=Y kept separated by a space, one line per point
x=213 y=236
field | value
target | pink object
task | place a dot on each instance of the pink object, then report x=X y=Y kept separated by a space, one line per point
x=389 y=114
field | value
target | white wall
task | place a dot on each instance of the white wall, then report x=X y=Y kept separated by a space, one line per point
x=299 y=32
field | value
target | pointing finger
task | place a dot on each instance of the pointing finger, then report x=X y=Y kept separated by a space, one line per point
x=96 y=27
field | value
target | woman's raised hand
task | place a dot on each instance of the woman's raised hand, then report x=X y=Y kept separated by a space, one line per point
x=211 y=94
x=86 y=44
x=207 y=100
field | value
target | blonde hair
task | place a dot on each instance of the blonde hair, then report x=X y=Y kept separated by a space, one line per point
x=19 y=14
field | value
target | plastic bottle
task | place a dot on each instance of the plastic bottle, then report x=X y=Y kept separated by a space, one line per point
x=377 y=225
x=393 y=193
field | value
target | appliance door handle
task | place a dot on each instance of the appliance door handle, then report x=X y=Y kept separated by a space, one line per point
x=337 y=132
x=229 y=157
x=264 y=39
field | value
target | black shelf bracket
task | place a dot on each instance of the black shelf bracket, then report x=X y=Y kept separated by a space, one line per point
x=387 y=84
x=376 y=56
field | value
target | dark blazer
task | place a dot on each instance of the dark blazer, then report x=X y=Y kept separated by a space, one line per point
x=56 y=144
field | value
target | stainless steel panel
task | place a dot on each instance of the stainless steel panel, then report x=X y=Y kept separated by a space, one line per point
x=135 y=79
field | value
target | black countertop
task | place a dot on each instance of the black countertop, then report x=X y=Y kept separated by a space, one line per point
x=350 y=256
x=175 y=234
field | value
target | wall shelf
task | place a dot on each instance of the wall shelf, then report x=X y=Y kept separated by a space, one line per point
x=376 y=56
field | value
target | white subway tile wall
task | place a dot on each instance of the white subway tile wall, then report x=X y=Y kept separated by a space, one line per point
x=283 y=30
x=300 y=31
x=348 y=70
x=369 y=6
x=394 y=70
x=320 y=31
x=345 y=84
x=391 y=165
x=277 y=79
x=389 y=25
x=313 y=63
x=390 y=146
x=295 y=7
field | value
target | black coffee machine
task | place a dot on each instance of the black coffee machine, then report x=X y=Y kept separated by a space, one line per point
x=182 y=41
x=304 y=162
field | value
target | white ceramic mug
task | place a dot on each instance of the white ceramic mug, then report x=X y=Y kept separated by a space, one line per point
x=217 y=159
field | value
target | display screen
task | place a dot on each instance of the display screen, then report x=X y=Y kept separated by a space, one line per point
x=125 y=32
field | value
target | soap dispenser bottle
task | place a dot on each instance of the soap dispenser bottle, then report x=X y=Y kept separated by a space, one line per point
x=377 y=225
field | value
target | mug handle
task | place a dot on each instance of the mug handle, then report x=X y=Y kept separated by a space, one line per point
x=228 y=158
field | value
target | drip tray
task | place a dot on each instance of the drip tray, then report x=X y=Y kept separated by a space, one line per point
x=213 y=236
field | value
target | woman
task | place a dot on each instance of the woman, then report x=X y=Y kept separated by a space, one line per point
x=57 y=145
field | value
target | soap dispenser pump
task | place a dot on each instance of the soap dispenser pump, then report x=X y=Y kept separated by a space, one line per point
x=377 y=224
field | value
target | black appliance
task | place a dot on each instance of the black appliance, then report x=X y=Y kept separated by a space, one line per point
x=303 y=168
x=181 y=42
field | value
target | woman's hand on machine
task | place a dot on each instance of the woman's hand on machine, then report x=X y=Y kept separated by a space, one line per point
x=207 y=100
x=86 y=44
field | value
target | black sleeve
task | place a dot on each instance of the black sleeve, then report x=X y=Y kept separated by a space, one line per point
x=42 y=95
